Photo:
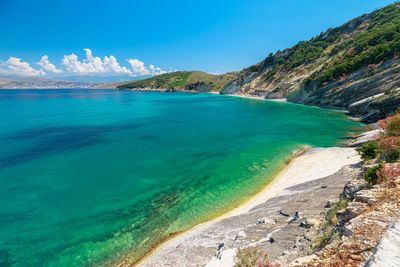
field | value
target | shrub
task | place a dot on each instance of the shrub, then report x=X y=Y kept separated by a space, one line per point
x=371 y=175
x=253 y=258
x=388 y=173
x=330 y=217
x=390 y=147
x=253 y=68
x=368 y=150
x=393 y=127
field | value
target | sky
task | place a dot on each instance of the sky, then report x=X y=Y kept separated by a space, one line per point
x=132 y=39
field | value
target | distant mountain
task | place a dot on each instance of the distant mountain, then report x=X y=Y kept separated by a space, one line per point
x=181 y=80
x=102 y=78
x=39 y=83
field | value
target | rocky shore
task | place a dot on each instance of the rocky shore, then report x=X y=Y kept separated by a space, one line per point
x=290 y=219
x=276 y=220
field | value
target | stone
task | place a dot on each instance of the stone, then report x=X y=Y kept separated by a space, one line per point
x=306 y=224
x=354 y=209
x=365 y=196
x=329 y=204
x=353 y=187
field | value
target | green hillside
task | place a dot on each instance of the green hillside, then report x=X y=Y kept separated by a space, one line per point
x=341 y=67
x=188 y=80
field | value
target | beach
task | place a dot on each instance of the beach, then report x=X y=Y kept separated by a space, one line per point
x=314 y=164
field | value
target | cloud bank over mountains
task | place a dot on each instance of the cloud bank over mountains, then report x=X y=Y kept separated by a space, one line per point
x=72 y=65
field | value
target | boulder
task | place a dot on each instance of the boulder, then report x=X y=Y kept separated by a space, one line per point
x=352 y=187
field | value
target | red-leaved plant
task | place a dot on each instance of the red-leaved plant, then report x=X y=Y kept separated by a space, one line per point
x=252 y=257
x=388 y=173
x=390 y=147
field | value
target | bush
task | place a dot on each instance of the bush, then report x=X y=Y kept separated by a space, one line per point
x=393 y=127
x=368 y=150
x=253 y=258
x=390 y=147
x=388 y=173
x=371 y=175
x=253 y=68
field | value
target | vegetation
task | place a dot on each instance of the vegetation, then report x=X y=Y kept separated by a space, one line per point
x=388 y=174
x=379 y=42
x=331 y=218
x=253 y=258
x=389 y=141
x=368 y=150
x=371 y=175
x=362 y=42
x=389 y=147
x=182 y=80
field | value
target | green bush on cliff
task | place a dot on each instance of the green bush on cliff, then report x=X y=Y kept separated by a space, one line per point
x=368 y=150
x=371 y=176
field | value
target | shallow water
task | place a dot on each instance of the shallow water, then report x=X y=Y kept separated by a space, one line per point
x=87 y=176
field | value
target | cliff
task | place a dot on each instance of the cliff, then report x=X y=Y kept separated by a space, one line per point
x=354 y=66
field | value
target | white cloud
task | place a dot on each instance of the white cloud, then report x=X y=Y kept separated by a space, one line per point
x=14 y=66
x=92 y=64
x=138 y=67
x=45 y=64
x=73 y=65
x=156 y=70
x=111 y=65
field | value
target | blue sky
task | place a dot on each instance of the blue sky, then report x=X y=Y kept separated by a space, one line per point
x=213 y=36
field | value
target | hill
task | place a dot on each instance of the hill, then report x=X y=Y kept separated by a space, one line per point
x=182 y=80
x=354 y=66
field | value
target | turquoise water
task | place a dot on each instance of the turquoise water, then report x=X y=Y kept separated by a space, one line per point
x=89 y=176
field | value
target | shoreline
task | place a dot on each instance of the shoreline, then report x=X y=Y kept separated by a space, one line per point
x=240 y=209
x=250 y=96
x=317 y=160
x=307 y=165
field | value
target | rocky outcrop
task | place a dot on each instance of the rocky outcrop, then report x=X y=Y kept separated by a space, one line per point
x=368 y=229
x=387 y=252
x=198 y=86
x=369 y=97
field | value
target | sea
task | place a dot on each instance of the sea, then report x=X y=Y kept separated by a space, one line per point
x=89 y=176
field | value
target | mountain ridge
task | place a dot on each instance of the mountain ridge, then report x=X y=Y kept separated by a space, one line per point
x=39 y=83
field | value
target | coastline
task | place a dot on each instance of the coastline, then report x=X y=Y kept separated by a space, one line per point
x=251 y=96
x=318 y=164
x=308 y=165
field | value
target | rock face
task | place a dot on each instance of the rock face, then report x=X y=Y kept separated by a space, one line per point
x=387 y=253
x=198 y=86
x=371 y=98
x=264 y=227
x=353 y=187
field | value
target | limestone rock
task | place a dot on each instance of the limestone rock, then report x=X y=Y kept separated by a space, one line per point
x=365 y=196
x=353 y=187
